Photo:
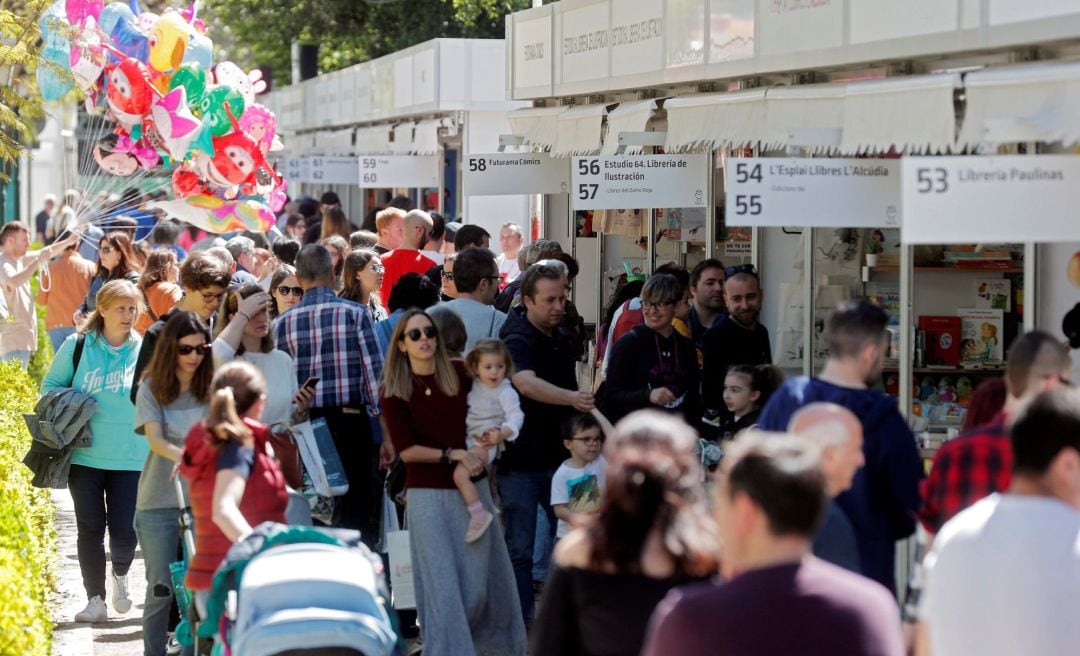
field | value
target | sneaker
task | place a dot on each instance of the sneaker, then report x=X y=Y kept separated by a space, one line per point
x=172 y=645
x=478 y=523
x=121 y=602
x=94 y=612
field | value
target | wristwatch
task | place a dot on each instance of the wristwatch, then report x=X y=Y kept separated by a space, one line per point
x=445 y=458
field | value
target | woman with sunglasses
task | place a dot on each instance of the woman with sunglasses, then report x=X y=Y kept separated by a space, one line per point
x=466 y=596
x=285 y=290
x=173 y=397
x=651 y=533
x=653 y=365
x=104 y=476
x=116 y=261
x=362 y=281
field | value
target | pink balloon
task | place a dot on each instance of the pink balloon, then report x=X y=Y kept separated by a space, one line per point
x=78 y=10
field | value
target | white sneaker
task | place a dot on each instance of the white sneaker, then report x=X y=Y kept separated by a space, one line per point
x=120 y=600
x=94 y=612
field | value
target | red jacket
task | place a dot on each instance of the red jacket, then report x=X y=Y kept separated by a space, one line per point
x=264 y=498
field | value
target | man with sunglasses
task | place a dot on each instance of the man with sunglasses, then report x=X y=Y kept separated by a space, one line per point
x=737 y=338
x=204 y=279
x=476 y=277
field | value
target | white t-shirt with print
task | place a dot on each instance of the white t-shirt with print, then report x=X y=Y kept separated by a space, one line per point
x=1003 y=578
x=579 y=488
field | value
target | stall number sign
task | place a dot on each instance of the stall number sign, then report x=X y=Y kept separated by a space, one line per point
x=386 y=171
x=500 y=174
x=290 y=168
x=330 y=170
x=638 y=181
x=812 y=192
x=949 y=200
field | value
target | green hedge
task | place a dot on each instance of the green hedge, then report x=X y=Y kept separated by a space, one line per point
x=27 y=534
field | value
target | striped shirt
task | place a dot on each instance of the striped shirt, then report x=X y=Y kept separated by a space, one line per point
x=334 y=340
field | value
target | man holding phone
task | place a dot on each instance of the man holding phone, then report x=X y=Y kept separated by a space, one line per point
x=332 y=341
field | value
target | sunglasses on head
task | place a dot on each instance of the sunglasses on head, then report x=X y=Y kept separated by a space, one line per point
x=740 y=268
x=295 y=291
x=414 y=334
x=187 y=349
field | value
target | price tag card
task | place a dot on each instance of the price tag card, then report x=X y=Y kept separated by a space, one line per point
x=638 y=181
x=1018 y=198
x=500 y=174
x=386 y=171
x=812 y=192
x=334 y=170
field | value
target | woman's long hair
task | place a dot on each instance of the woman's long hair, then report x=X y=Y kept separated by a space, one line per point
x=236 y=387
x=398 y=375
x=107 y=296
x=334 y=222
x=161 y=372
x=653 y=483
x=128 y=263
x=355 y=262
x=341 y=244
x=229 y=309
x=280 y=274
x=157 y=268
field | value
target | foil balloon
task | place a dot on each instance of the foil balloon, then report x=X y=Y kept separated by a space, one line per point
x=175 y=123
x=119 y=155
x=114 y=13
x=79 y=10
x=87 y=56
x=237 y=159
x=129 y=92
x=186 y=182
x=146 y=21
x=260 y=124
x=200 y=51
x=52 y=83
x=193 y=80
x=216 y=104
x=228 y=74
x=168 y=42
x=217 y=215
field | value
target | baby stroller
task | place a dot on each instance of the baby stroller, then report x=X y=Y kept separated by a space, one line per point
x=293 y=591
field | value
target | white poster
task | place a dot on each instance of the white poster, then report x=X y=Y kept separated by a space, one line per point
x=500 y=174
x=1019 y=198
x=818 y=192
x=638 y=181
x=532 y=56
x=387 y=171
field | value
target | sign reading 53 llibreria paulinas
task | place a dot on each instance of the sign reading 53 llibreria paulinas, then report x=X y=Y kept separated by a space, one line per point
x=638 y=181
x=812 y=192
x=1018 y=198
x=499 y=174
x=385 y=171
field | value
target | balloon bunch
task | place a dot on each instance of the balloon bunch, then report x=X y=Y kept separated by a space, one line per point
x=172 y=107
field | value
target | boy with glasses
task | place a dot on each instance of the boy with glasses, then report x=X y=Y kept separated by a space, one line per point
x=578 y=484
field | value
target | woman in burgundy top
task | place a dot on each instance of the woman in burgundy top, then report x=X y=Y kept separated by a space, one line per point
x=466 y=597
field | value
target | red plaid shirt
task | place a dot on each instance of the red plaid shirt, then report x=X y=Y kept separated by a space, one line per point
x=967 y=468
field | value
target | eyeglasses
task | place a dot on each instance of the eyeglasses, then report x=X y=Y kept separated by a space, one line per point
x=414 y=334
x=492 y=277
x=105 y=250
x=207 y=298
x=1067 y=382
x=447 y=275
x=740 y=268
x=649 y=305
x=295 y=291
x=187 y=349
x=375 y=268
x=591 y=439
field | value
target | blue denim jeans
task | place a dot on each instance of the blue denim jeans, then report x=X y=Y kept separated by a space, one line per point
x=58 y=335
x=522 y=492
x=103 y=499
x=159 y=535
x=544 y=546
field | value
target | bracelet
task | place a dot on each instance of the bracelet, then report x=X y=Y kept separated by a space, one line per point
x=445 y=457
x=246 y=317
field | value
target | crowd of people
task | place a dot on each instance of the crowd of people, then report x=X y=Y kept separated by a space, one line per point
x=425 y=352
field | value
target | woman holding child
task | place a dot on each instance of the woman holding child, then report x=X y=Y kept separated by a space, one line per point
x=465 y=592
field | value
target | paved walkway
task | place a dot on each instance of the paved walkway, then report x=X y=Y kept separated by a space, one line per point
x=121 y=635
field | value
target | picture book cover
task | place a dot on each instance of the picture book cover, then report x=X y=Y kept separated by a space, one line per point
x=981 y=336
x=993 y=294
x=942 y=340
x=886 y=295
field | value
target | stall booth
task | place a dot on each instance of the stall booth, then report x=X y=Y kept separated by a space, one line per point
x=401 y=125
x=919 y=154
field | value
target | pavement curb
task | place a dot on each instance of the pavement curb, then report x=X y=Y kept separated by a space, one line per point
x=69 y=638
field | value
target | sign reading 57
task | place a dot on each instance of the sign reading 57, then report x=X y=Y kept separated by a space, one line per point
x=638 y=181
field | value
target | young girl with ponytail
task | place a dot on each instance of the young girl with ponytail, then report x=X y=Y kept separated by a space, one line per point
x=235 y=481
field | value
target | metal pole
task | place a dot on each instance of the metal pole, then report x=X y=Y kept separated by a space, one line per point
x=808 y=301
x=710 y=204
x=907 y=284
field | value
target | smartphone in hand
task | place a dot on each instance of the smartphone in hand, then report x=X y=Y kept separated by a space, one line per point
x=310 y=383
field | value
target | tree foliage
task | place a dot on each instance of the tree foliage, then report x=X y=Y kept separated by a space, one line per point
x=259 y=32
x=20 y=101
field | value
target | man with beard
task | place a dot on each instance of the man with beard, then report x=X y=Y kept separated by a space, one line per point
x=407 y=258
x=737 y=338
x=884 y=494
x=706 y=299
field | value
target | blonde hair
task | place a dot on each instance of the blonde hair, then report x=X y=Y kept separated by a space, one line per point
x=236 y=387
x=107 y=296
x=386 y=217
x=397 y=374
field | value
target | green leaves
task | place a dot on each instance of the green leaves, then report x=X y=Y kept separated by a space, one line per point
x=20 y=102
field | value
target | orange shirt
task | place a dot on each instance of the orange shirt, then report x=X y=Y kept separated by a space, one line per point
x=397 y=263
x=161 y=297
x=69 y=277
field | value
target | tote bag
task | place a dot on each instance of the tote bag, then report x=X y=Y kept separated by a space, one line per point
x=321 y=458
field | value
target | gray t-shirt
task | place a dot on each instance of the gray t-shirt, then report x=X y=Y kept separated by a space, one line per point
x=481 y=321
x=157 y=490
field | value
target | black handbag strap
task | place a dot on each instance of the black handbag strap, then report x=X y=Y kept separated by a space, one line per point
x=76 y=357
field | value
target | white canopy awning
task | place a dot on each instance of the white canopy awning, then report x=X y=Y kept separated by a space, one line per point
x=374 y=140
x=334 y=142
x=578 y=131
x=910 y=114
x=627 y=117
x=810 y=116
x=538 y=126
x=403 y=138
x=716 y=120
x=426 y=135
x=1038 y=102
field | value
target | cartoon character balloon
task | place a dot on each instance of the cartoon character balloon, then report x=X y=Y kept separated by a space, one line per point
x=213 y=110
x=175 y=122
x=168 y=42
x=237 y=159
x=261 y=125
x=129 y=92
x=119 y=155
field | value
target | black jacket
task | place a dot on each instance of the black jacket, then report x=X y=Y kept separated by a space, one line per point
x=641 y=361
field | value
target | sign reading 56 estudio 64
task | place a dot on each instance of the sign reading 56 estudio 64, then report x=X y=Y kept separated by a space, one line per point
x=637 y=181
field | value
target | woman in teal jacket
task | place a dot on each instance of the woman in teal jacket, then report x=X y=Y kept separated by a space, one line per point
x=104 y=477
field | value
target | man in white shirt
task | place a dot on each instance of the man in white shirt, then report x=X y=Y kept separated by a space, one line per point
x=510 y=241
x=477 y=282
x=1003 y=576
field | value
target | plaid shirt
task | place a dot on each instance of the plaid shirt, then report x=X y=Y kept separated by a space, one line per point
x=966 y=469
x=333 y=339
